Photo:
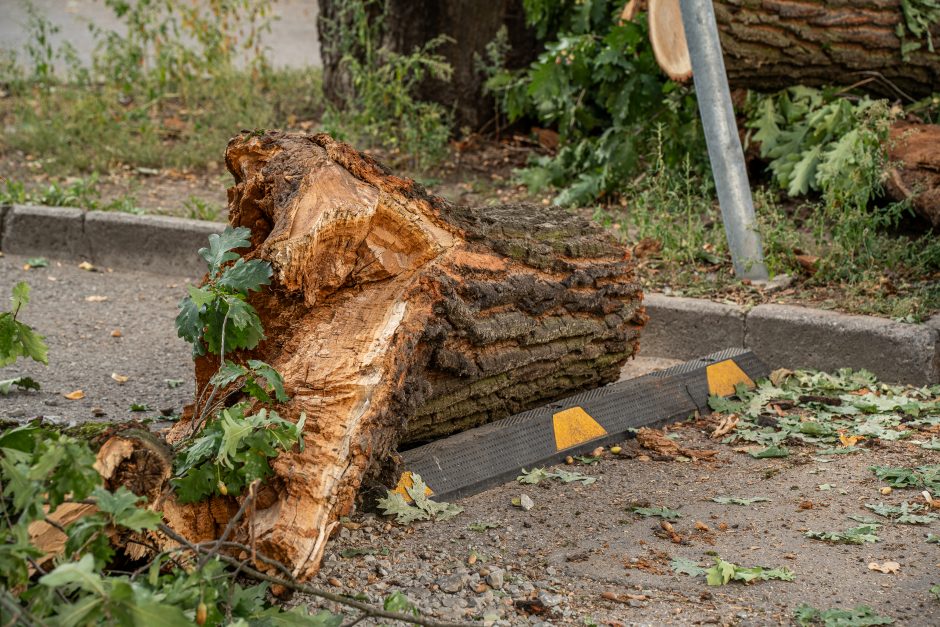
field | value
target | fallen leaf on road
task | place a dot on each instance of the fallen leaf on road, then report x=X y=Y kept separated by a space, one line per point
x=36 y=262
x=654 y=440
x=77 y=395
x=525 y=502
x=95 y=298
x=120 y=378
x=780 y=375
x=887 y=567
x=726 y=426
x=623 y=598
x=850 y=440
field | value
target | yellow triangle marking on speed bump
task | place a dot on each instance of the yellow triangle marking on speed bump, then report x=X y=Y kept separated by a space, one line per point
x=574 y=426
x=407 y=481
x=723 y=376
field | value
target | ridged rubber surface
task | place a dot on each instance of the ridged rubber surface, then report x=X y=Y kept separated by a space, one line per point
x=471 y=461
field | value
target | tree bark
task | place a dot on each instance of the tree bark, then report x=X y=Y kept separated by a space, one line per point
x=394 y=316
x=914 y=172
x=772 y=44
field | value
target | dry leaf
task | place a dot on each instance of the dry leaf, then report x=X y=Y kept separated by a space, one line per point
x=701 y=526
x=77 y=395
x=96 y=298
x=120 y=378
x=887 y=567
x=647 y=247
x=656 y=441
x=850 y=440
x=727 y=425
x=116 y=333
x=86 y=266
x=779 y=375
x=809 y=263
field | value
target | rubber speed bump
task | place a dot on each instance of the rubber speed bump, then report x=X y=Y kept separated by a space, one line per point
x=724 y=376
x=574 y=426
x=471 y=461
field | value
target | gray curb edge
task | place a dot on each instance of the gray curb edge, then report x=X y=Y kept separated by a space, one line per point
x=788 y=336
x=784 y=336
x=157 y=244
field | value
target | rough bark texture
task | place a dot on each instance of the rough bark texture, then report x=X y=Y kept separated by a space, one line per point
x=408 y=24
x=395 y=316
x=771 y=44
x=914 y=151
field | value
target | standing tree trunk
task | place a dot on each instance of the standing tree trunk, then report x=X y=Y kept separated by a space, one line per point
x=409 y=24
x=393 y=315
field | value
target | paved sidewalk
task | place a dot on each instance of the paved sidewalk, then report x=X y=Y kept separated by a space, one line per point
x=292 y=42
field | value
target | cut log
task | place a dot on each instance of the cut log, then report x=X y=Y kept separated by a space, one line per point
x=395 y=316
x=667 y=36
x=914 y=172
x=779 y=43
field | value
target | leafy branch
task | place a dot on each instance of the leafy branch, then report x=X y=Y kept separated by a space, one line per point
x=16 y=338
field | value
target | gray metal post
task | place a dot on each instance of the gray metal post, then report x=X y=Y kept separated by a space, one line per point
x=721 y=134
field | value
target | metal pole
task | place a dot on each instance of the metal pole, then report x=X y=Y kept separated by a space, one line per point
x=721 y=134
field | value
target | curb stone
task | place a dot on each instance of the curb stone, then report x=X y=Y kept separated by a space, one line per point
x=789 y=336
x=679 y=328
x=157 y=244
x=55 y=232
x=686 y=328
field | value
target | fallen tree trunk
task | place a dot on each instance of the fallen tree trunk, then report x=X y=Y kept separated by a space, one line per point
x=774 y=44
x=395 y=316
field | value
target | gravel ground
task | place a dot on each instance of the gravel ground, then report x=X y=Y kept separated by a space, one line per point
x=579 y=556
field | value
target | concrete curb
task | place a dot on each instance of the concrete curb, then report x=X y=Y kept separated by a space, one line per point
x=157 y=244
x=679 y=328
x=788 y=336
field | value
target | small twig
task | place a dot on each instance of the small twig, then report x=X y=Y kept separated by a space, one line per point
x=293 y=584
x=19 y=614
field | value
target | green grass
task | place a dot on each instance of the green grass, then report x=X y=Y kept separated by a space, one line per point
x=865 y=263
x=83 y=193
x=76 y=128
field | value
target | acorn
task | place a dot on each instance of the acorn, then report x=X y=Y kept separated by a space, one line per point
x=223 y=489
x=202 y=612
x=616 y=450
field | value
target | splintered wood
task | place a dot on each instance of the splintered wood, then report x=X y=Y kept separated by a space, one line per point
x=395 y=316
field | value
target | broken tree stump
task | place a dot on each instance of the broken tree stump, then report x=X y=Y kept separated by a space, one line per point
x=394 y=316
x=914 y=168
